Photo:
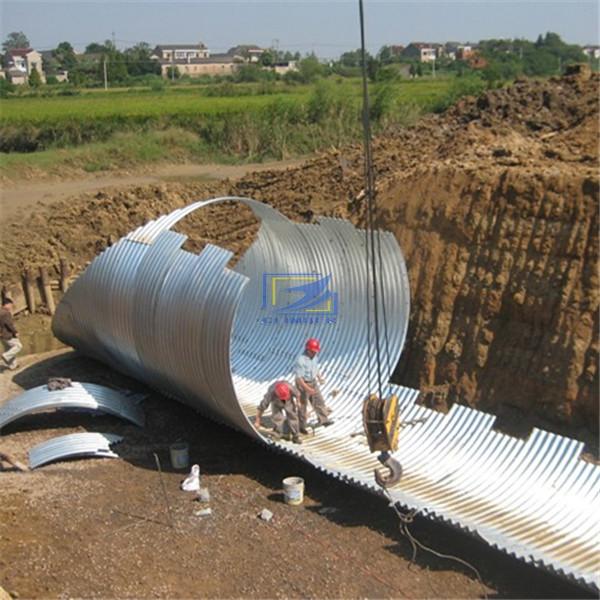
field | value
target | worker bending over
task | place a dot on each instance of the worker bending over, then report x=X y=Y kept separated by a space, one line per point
x=308 y=379
x=282 y=398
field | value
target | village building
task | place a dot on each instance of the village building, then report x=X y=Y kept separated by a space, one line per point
x=592 y=51
x=196 y=60
x=217 y=64
x=422 y=52
x=464 y=52
x=170 y=52
x=21 y=62
x=281 y=68
x=246 y=53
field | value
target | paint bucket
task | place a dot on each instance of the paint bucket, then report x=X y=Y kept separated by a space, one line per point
x=293 y=490
x=180 y=455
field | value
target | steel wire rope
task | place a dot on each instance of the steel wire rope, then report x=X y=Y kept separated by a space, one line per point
x=370 y=231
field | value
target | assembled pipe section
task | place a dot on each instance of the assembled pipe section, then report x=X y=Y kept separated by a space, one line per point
x=74 y=445
x=87 y=396
x=216 y=337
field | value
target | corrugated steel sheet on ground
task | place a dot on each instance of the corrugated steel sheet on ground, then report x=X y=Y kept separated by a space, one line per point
x=89 y=396
x=72 y=446
x=195 y=329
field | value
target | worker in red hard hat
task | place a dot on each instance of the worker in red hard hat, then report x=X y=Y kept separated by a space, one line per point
x=282 y=398
x=308 y=379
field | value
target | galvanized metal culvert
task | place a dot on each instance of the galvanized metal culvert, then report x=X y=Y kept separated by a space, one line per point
x=215 y=338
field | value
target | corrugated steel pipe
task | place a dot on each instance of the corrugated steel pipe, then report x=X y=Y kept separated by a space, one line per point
x=198 y=331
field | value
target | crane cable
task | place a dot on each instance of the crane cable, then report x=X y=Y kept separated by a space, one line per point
x=372 y=257
x=373 y=263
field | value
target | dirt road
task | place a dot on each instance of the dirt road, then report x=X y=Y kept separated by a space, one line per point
x=24 y=196
x=99 y=528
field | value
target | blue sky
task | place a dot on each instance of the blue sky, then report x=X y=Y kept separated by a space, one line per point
x=328 y=28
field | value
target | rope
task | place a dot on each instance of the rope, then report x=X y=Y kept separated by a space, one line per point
x=406 y=519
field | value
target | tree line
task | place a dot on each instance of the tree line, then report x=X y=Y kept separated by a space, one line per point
x=502 y=59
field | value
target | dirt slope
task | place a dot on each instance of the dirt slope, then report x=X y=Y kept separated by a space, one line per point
x=495 y=205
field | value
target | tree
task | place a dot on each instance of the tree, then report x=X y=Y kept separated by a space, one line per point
x=116 y=68
x=14 y=40
x=6 y=87
x=372 y=68
x=385 y=55
x=34 y=78
x=351 y=59
x=266 y=59
x=95 y=48
x=65 y=56
x=139 y=62
x=173 y=73
x=310 y=68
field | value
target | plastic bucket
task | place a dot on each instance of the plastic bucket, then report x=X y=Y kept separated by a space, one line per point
x=180 y=455
x=293 y=490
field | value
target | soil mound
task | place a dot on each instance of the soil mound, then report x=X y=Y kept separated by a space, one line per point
x=495 y=205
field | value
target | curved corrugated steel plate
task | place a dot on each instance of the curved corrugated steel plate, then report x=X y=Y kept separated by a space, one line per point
x=72 y=446
x=89 y=396
x=196 y=330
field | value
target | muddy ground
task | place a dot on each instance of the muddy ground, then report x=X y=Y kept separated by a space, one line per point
x=100 y=527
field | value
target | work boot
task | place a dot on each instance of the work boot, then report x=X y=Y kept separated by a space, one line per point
x=13 y=365
x=296 y=439
x=303 y=430
x=327 y=423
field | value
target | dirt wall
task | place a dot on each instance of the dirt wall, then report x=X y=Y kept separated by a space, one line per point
x=504 y=285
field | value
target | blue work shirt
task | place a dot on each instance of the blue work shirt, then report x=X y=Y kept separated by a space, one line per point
x=306 y=368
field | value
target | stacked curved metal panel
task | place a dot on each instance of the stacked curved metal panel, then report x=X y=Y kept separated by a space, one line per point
x=89 y=396
x=74 y=445
x=195 y=329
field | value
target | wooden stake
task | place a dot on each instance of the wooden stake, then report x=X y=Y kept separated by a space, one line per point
x=48 y=298
x=28 y=289
x=65 y=272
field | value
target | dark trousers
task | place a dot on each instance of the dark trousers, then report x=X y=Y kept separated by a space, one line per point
x=282 y=412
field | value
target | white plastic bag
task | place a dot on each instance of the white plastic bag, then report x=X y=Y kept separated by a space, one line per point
x=192 y=482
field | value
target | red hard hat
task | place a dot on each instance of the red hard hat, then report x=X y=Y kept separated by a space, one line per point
x=282 y=391
x=313 y=345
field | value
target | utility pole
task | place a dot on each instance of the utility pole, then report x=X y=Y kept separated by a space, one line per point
x=105 y=74
x=433 y=67
x=173 y=66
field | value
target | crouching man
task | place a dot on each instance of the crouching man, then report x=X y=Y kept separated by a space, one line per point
x=282 y=398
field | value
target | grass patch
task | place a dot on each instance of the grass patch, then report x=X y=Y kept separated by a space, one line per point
x=101 y=131
x=123 y=150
